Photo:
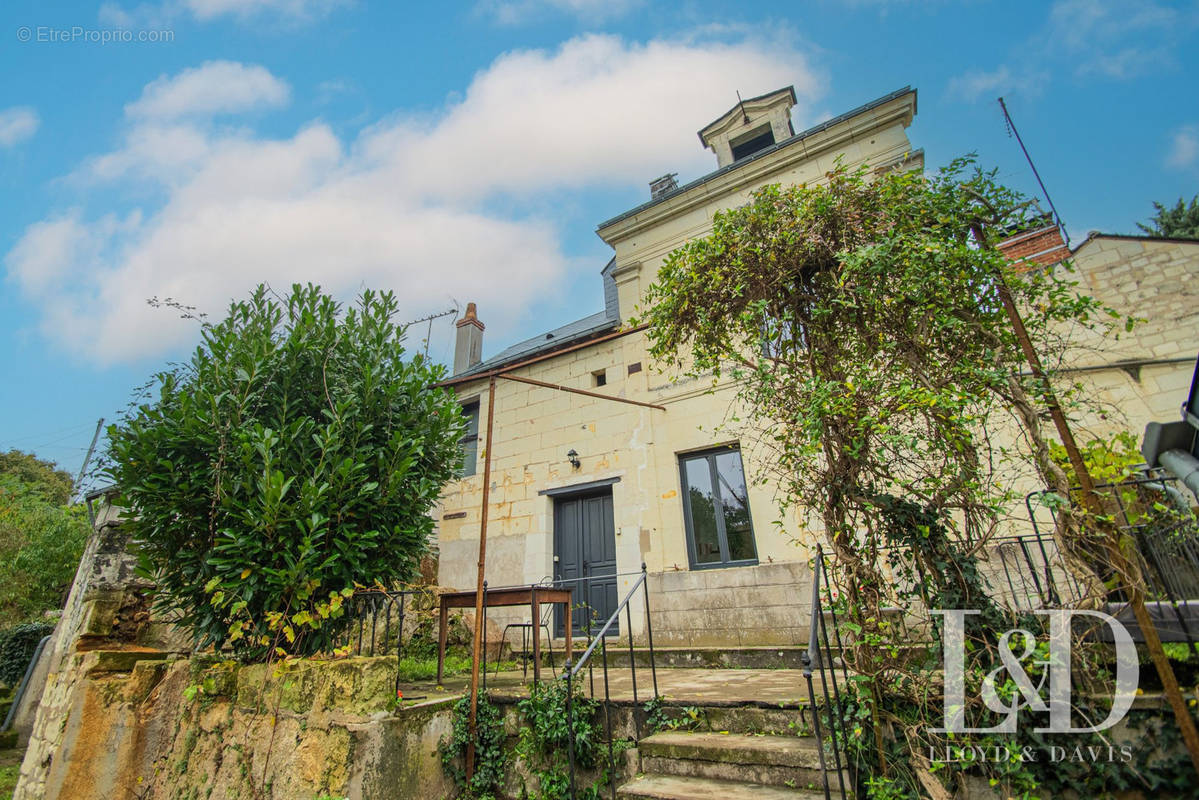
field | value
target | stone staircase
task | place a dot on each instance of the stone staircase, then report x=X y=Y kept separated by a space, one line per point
x=718 y=765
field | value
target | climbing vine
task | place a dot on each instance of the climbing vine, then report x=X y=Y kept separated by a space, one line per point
x=491 y=756
x=862 y=323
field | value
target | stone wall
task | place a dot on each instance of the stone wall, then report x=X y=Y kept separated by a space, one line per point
x=766 y=605
x=139 y=725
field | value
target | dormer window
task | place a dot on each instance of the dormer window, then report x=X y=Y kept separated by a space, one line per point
x=750 y=127
x=752 y=142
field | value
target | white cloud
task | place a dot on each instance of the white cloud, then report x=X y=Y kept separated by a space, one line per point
x=17 y=124
x=301 y=10
x=979 y=84
x=214 y=87
x=156 y=15
x=514 y=12
x=448 y=205
x=1109 y=39
x=1184 y=148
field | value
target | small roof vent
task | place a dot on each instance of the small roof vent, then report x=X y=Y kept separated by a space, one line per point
x=660 y=187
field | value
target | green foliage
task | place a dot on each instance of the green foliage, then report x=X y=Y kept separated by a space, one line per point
x=294 y=456
x=42 y=478
x=1179 y=222
x=491 y=758
x=547 y=734
x=660 y=717
x=17 y=646
x=862 y=325
x=40 y=541
x=1109 y=460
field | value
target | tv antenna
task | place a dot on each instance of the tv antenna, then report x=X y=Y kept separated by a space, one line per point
x=429 y=319
x=1011 y=131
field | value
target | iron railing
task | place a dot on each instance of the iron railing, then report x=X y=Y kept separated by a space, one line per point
x=1157 y=514
x=375 y=614
x=572 y=668
x=820 y=656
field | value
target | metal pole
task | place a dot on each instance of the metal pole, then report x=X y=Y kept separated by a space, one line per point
x=570 y=726
x=474 y=664
x=649 y=629
x=87 y=458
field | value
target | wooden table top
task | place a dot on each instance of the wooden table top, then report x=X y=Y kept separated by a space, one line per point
x=509 y=596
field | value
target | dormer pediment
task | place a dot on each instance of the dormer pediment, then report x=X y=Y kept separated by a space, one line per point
x=749 y=126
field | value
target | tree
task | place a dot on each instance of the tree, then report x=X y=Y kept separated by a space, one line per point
x=296 y=455
x=41 y=538
x=1179 y=222
x=39 y=475
x=860 y=318
x=862 y=324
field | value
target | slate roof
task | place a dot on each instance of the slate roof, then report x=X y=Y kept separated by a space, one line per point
x=571 y=333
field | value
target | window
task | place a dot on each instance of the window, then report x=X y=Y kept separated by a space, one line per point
x=716 y=509
x=469 y=443
x=757 y=140
x=600 y=377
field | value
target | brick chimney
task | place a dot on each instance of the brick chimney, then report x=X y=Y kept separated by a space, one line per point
x=468 y=348
x=1040 y=245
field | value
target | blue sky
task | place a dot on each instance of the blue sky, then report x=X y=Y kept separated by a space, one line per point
x=466 y=151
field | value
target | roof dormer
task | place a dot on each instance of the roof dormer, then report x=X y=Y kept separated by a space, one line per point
x=750 y=126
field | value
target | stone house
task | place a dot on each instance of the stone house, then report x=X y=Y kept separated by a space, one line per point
x=584 y=487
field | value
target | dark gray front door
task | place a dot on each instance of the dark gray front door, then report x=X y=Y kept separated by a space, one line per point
x=585 y=547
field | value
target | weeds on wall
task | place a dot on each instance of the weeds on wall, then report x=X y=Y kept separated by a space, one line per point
x=543 y=741
x=491 y=755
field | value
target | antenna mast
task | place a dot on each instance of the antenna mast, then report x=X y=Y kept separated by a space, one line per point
x=1011 y=127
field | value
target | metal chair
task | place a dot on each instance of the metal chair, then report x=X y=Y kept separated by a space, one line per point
x=528 y=629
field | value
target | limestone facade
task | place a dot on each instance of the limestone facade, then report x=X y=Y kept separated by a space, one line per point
x=637 y=450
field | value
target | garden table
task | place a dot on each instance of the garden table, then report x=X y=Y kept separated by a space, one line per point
x=532 y=596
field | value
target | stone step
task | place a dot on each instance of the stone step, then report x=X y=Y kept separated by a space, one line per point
x=674 y=787
x=758 y=657
x=788 y=761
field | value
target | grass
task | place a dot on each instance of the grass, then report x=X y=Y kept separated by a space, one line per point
x=10 y=768
x=425 y=669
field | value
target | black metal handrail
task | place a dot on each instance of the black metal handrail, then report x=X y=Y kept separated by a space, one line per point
x=573 y=666
x=1168 y=544
x=370 y=610
x=819 y=655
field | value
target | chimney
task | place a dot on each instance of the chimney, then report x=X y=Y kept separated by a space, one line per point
x=468 y=349
x=1039 y=244
x=663 y=186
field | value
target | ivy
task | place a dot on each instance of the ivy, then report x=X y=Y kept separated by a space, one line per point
x=546 y=736
x=17 y=646
x=491 y=756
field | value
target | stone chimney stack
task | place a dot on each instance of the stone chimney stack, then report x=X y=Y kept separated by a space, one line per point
x=468 y=349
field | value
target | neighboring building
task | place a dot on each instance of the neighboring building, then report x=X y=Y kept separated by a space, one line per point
x=1132 y=377
x=1145 y=375
x=645 y=484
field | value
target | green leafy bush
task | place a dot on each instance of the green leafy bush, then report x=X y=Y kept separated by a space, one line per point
x=40 y=545
x=17 y=646
x=295 y=455
x=545 y=740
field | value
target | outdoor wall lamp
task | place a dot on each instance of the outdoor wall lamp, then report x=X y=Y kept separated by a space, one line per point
x=573 y=458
